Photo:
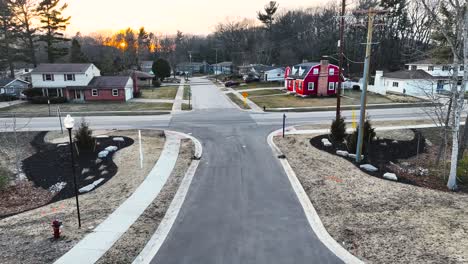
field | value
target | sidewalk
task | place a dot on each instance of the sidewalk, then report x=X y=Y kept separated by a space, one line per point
x=101 y=239
x=11 y=103
x=251 y=104
x=177 y=106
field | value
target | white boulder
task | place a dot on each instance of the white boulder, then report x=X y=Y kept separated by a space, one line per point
x=390 y=176
x=87 y=188
x=103 y=154
x=119 y=139
x=342 y=153
x=353 y=156
x=326 y=142
x=368 y=167
x=102 y=136
x=111 y=149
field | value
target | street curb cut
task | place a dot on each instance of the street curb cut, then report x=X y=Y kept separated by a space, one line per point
x=156 y=241
x=309 y=210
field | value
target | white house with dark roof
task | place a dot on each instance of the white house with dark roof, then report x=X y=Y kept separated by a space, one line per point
x=81 y=82
x=434 y=68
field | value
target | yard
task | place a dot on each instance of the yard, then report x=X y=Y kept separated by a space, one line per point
x=285 y=101
x=378 y=220
x=26 y=237
x=269 y=92
x=29 y=109
x=253 y=85
x=237 y=101
x=187 y=92
x=168 y=92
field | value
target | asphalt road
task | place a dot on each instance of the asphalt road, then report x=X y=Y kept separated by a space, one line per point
x=240 y=207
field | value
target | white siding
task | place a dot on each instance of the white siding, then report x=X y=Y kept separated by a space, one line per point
x=436 y=71
x=129 y=90
x=272 y=75
x=81 y=79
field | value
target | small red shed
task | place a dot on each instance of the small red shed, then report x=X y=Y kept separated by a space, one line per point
x=103 y=88
x=313 y=79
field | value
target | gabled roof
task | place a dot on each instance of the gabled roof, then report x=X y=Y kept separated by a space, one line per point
x=301 y=70
x=62 y=67
x=224 y=64
x=109 y=82
x=409 y=75
x=140 y=74
x=5 y=82
x=428 y=61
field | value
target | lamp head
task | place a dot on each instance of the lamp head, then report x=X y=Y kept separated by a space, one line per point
x=69 y=122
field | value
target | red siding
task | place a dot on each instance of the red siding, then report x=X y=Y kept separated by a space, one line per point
x=104 y=95
x=311 y=77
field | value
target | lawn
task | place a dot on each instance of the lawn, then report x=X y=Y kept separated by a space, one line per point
x=168 y=92
x=351 y=98
x=237 y=101
x=253 y=85
x=187 y=91
x=43 y=110
x=264 y=93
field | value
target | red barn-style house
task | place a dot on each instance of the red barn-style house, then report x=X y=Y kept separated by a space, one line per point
x=103 y=88
x=313 y=79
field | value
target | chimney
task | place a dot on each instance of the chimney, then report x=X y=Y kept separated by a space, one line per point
x=322 y=89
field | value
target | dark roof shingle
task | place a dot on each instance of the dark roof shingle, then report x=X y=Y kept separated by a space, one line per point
x=409 y=74
x=62 y=67
x=109 y=82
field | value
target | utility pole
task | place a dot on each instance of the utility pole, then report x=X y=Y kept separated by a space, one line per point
x=371 y=13
x=340 y=64
x=216 y=65
x=191 y=67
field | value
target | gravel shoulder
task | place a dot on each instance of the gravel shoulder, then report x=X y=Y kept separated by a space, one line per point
x=380 y=221
x=132 y=242
x=27 y=237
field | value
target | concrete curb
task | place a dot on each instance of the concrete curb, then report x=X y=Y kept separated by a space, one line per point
x=309 y=210
x=158 y=238
x=348 y=107
x=94 y=245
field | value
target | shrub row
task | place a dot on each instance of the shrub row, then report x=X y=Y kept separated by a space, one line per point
x=45 y=99
x=7 y=97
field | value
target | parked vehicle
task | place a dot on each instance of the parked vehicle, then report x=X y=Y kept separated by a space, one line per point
x=231 y=83
x=251 y=78
x=352 y=84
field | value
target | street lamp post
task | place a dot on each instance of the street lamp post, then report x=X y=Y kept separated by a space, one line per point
x=69 y=123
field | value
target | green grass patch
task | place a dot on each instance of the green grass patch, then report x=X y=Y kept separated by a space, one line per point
x=167 y=92
x=350 y=98
x=186 y=107
x=238 y=101
x=187 y=90
x=265 y=92
x=85 y=107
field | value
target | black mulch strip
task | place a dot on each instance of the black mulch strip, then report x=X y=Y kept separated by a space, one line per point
x=380 y=153
x=52 y=164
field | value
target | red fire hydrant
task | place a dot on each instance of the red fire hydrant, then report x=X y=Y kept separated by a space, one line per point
x=56 y=224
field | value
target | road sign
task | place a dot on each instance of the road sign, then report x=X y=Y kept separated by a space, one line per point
x=245 y=94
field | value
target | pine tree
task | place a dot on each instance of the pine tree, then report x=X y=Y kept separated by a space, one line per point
x=161 y=69
x=25 y=13
x=8 y=31
x=76 y=55
x=52 y=26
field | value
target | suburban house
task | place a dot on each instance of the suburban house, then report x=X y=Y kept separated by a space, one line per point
x=254 y=70
x=421 y=78
x=274 y=75
x=225 y=67
x=22 y=71
x=13 y=86
x=143 y=79
x=193 y=67
x=313 y=79
x=103 y=88
x=147 y=66
x=81 y=82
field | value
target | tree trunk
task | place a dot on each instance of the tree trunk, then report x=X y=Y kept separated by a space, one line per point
x=456 y=113
x=446 y=126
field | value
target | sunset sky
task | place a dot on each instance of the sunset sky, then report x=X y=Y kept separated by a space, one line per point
x=165 y=16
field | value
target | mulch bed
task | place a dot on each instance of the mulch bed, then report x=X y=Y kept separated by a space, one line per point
x=384 y=154
x=51 y=164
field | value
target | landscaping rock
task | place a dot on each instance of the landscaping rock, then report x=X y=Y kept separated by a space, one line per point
x=102 y=136
x=395 y=142
x=84 y=171
x=390 y=176
x=342 y=153
x=57 y=187
x=368 y=167
x=98 y=161
x=353 y=156
x=87 y=188
x=326 y=142
x=428 y=143
x=96 y=183
x=103 y=154
x=384 y=144
x=423 y=172
x=118 y=139
x=111 y=148
x=62 y=145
